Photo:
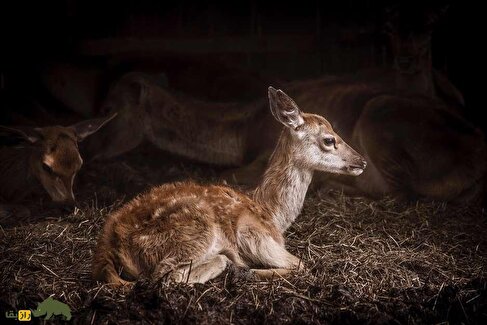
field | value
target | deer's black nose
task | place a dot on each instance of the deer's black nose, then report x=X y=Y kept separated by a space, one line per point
x=360 y=163
x=363 y=164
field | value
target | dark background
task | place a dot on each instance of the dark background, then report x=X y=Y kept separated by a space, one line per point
x=287 y=40
x=443 y=245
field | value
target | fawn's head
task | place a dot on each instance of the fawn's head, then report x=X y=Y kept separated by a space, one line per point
x=314 y=144
x=55 y=160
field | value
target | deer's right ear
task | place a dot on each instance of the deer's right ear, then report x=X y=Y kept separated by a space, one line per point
x=25 y=133
x=88 y=127
x=284 y=109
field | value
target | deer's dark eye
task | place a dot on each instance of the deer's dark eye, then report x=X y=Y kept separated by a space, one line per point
x=47 y=168
x=329 y=142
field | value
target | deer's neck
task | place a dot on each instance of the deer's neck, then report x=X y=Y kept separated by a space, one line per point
x=284 y=185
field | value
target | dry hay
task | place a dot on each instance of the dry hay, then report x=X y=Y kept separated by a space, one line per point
x=368 y=261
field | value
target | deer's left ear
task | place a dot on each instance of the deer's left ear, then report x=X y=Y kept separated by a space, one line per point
x=285 y=109
x=88 y=127
x=29 y=134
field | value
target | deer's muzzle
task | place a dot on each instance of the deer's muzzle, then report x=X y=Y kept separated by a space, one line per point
x=357 y=168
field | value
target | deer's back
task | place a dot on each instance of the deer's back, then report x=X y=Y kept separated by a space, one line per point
x=211 y=206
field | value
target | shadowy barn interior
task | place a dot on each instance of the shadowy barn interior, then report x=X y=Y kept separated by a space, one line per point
x=169 y=91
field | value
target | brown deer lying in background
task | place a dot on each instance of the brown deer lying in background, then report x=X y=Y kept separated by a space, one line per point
x=199 y=130
x=46 y=156
x=417 y=145
x=189 y=232
x=406 y=118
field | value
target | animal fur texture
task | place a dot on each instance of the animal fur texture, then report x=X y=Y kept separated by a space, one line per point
x=189 y=232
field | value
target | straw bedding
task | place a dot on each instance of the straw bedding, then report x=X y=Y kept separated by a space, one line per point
x=369 y=261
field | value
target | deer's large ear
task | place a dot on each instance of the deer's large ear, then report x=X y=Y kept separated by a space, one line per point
x=285 y=109
x=435 y=16
x=88 y=127
x=29 y=134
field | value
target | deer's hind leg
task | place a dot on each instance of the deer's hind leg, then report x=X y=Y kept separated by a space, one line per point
x=181 y=246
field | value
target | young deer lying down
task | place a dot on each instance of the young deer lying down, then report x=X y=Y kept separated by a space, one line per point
x=189 y=232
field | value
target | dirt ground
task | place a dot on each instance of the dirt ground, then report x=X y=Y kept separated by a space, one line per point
x=380 y=262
